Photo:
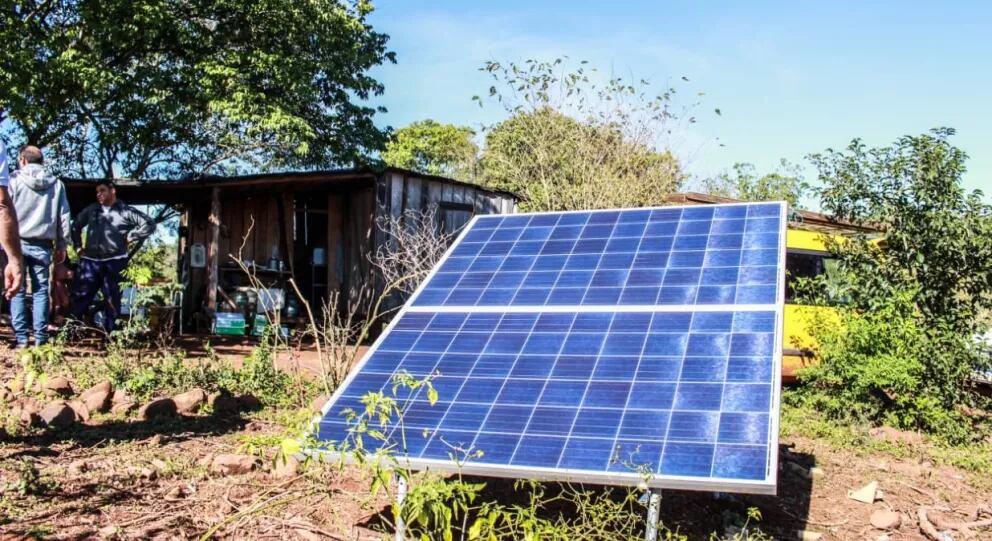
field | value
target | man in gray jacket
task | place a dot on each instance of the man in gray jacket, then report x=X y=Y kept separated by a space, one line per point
x=43 y=220
x=111 y=226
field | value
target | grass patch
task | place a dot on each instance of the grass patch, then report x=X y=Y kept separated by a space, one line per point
x=803 y=421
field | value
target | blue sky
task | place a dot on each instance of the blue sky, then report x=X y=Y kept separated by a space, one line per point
x=790 y=78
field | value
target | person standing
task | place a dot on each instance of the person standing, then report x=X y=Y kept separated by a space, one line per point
x=13 y=272
x=43 y=219
x=111 y=226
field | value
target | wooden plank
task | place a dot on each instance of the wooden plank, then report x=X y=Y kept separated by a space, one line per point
x=289 y=212
x=214 y=221
x=335 y=248
x=396 y=195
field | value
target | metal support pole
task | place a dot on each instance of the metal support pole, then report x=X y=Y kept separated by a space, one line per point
x=654 y=508
x=400 y=496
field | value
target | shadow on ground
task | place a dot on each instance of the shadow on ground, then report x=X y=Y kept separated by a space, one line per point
x=176 y=429
x=696 y=515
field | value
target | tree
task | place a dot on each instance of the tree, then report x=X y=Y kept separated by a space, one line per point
x=570 y=143
x=905 y=351
x=937 y=237
x=785 y=184
x=434 y=148
x=145 y=88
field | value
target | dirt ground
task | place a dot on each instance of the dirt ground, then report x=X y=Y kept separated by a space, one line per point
x=121 y=479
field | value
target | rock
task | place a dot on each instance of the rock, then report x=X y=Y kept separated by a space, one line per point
x=78 y=467
x=232 y=464
x=121 y=397
x=108 y=532
x=176 y=493
x=865 y=494
x=159 y=465
x=155 y=440
x=123 y=408
x=887 y=433
x=157 y=409
x=317 y=405
x=80 y=409
x=798 y=470
x=286 y=468
x=249 y=402
x=98 y=398
x=883 y=519
x=806 y=535
x=26 y=410
x=58 y=415
x=223 y=404
x=816 y=472
x=191 y=401
x=148 y=473
x=58 y=387
x=5 y=395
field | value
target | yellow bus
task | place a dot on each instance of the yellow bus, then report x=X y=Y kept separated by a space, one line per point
x=806 y=256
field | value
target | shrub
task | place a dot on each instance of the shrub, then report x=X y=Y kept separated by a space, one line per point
x=886 y=367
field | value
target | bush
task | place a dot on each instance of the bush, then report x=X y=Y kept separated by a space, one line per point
x=885 y=367
x=904 y=351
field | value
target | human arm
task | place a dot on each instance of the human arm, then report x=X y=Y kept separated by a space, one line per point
x=11 y=242
x=82 y=220
x=63 y=234
x=140 y=226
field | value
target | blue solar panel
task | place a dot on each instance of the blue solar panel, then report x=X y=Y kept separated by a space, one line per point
x=598 y=346
x=671 y=256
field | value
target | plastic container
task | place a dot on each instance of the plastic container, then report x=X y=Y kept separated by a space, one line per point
x=229 y=324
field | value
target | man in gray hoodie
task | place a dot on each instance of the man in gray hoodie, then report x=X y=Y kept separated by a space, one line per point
x=43 y=220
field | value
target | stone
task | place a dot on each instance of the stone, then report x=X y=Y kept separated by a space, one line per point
x=191 y=401
x=887 y=433
x=57 y=415
x=159 y=464
x=121 y=397
x=318 y=403
x=816 y=472
x=98 y=398
x=123 y=408
x=806 y=535
x=231 y=464
x=58 y=387
x=223 y=404
x=286 y=467
x=155 y=441
x=108 y=532
x=148 y=473
x=865 y=494
x=883 y=519
x=161 y=408
x=5 y=395
x=80 y=409
x=249 y=402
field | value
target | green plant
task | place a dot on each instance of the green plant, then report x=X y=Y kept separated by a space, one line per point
x=434 y=148
x=573 y=143
x=146 y=89
x=885 y=367
x=784 y=184
x=904 y=352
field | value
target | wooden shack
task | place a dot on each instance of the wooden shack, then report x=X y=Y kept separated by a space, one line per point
x=317 y=227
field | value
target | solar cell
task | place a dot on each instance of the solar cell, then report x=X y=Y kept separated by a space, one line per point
x=602 y=346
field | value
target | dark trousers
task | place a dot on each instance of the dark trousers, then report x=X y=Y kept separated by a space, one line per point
x=92 y=276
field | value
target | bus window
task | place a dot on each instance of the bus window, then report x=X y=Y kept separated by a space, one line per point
x=799 y=265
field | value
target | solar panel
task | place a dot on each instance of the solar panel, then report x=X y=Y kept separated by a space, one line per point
x=598 y=346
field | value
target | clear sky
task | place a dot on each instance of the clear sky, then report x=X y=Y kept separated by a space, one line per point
x=790 y=78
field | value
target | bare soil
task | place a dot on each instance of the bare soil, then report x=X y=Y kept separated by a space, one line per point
x=123 y=479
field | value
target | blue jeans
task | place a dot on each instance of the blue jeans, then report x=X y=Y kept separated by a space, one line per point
x=37 y=261
x=98 y=276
